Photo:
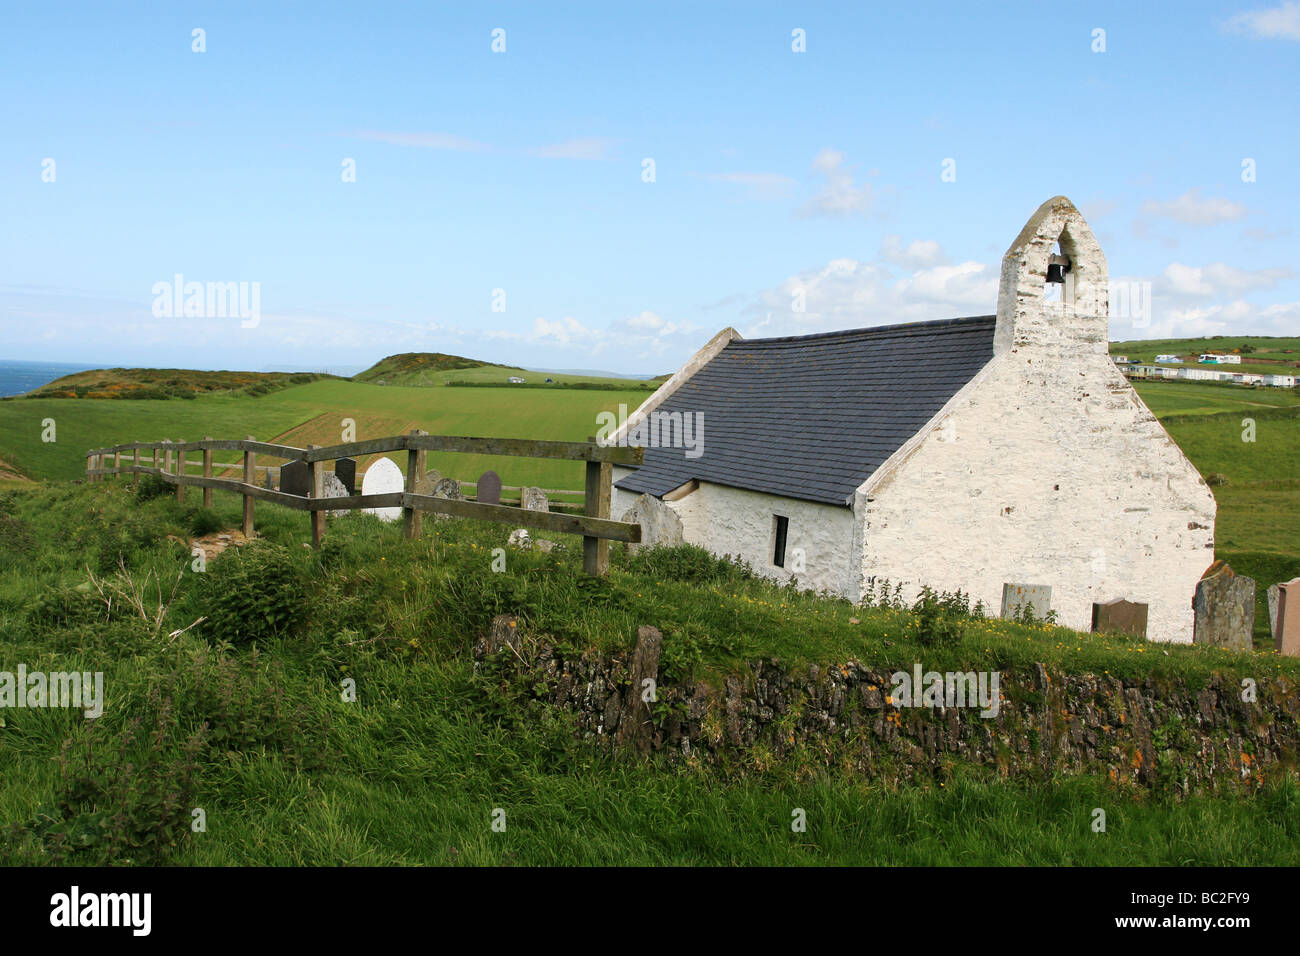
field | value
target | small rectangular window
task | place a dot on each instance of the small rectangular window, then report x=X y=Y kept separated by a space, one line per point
x=778 y=550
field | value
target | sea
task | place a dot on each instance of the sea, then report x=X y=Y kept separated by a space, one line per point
x=19 y=377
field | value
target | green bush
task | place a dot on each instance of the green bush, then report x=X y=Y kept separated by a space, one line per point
x=151 y=487
x=253 y=593
x=66 y=607
x=687 y=562
x=17 y=543
x=203 y=521
x=939 y=619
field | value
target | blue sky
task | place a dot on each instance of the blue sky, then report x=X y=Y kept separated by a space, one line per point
x=777 y=174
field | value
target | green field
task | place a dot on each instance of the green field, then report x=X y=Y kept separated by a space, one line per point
x=314 y=414
x=288 y=773
x=1280 y=348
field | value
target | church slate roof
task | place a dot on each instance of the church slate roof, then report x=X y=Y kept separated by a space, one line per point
x=813 y=416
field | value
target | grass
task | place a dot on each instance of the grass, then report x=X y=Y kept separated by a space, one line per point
x=1284 y=348
x=1166 y=398
x=411 y=772
x=315 y=413
x=426 y=369
x=164 y=383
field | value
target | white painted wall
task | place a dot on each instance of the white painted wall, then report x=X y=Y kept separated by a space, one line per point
x=1046 y=468
x=740 y=523
x=1027 y=481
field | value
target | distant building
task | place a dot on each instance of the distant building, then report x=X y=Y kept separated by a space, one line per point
x=1167 y=359
x=1121 y=359
x=516 y=380
x=1218 y=358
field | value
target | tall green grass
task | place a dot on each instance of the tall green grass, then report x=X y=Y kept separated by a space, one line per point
x=411 y=772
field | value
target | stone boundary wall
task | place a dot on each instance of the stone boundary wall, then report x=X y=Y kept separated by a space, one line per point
x=1149 y=733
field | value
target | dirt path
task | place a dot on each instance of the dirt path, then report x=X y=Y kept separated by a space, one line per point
x=9 y=473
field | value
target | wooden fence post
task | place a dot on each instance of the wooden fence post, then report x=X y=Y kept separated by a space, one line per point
x=90 y=463
x=207 y=472
x=595 y=551
x=117 y=461
x=135 y=462
x=416 y=458
x=180 y=470
x=316 y=489
x=250 y=478
x=167 y=457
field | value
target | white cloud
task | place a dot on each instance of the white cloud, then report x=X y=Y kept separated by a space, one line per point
x=918 y=254
x=420 y=140
x=1230 y=318
x=1192 y=210
x=838 y=195
x=589 y=147
x=1217 y=279
x=848 y=294
x=1282 y=22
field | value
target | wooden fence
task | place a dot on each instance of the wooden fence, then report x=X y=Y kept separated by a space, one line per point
x=594 y=525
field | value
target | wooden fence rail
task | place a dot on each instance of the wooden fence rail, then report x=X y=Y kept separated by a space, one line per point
x=594 y=525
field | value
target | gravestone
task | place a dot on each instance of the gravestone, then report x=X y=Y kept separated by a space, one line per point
x=1287 y=642
x=270 y=480
x=519 y=538
x=488 y=489
x=1126 y=617
x=660 y=525
x=1037 y=596
x=1225 y=609
x=294 y=479
x=332 y=487
x=1273 y=591
x=345 y=469
x=424 y=483
x=447 y=488
x=383 y=478
x=532 y=499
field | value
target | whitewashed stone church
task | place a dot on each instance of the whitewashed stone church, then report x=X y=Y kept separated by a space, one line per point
x=962 y=454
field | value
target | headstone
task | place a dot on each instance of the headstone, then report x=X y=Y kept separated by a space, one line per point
x=519 y=538
x=532 y=499
x=1225 y=609
x=660 y=525
x=447 y=488
x=270 y=480
x=332 y=487
x=424 y=483
x=293 y=478
x=1126 y=617
x=345 y=469
x=1287 y=642
x=383 y=478
x=1273 y=591
x=1037 y=596
x=488 y=489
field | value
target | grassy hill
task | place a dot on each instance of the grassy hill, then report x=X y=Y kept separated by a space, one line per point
x=314 y=414
x=151 y=383
x=1261 y=354
x=411 y=772
x=435 y=368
